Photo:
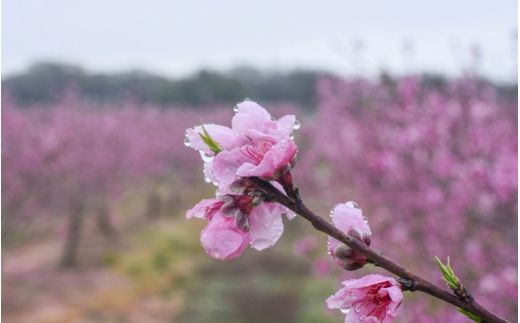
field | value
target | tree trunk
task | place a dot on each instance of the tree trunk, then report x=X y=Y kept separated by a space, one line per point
x=105 y=225
x=72 y=239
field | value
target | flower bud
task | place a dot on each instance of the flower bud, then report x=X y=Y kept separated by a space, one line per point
x=348 y=218
x=350 y=259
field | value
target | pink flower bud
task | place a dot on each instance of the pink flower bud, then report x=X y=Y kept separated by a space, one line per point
x=348 y=217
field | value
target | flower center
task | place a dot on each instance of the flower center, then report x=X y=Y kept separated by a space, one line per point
x=255 y=151
x=374 y=304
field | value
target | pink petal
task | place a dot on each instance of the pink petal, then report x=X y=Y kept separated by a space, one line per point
x=249 y=116
x=285 y=126
x=222 y=239
x=367 y=281
x=275 y=158
x=225 y=166
x=200 y=209
x=224 y=136
x=346 y=218
x=266 y=225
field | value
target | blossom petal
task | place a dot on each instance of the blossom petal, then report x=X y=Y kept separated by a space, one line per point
x=249 y=116
x=225 y=166
x=266 y=225
x=285 y=126
x=275 y=158
x=346 y=218
x=224 y=136
x=222 y=239
x=200 y=209
x=368 y=280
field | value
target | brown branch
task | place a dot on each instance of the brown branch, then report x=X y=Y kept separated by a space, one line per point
x=293 y=201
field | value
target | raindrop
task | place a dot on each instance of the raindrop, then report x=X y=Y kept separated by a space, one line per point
x=205 y=157
x=187 y=142
x=297 y=125
x=352 y=205
x=207 y=179
x=235 y=108
x=344 y=310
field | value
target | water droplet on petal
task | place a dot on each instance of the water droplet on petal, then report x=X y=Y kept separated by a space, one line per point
x=205 y=157
x=235 y=108
x=297 y=125
x=187 y=142
x=344 y=310
x=247 y=99
x=207 y=179
x=352 y=205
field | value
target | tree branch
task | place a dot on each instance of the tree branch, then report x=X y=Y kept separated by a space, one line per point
x=293 y=202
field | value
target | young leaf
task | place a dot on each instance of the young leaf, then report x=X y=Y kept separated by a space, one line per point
x=447 y=273
x=212 y=144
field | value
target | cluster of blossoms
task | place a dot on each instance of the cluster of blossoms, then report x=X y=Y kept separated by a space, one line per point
x=240 y=215
x=254 y=146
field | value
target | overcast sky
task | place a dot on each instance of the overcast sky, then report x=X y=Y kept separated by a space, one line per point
x=347 y=37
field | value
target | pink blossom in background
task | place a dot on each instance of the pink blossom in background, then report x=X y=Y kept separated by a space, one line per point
x=305 y=245
x=322 y=267
x=372 y=298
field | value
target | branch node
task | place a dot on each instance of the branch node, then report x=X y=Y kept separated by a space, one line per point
x=407 y=284
x=462 y=293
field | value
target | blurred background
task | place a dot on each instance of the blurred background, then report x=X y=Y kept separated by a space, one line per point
x=408 y=108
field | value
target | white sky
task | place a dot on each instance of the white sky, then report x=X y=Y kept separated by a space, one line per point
x=174 y=37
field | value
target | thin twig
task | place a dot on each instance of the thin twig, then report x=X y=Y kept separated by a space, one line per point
x=294 y=202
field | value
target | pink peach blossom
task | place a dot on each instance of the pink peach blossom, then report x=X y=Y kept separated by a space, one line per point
x=372 y=298
x=234 y=222
x=255 y=145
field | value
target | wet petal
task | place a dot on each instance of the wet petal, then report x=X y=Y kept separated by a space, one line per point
x=266 y=225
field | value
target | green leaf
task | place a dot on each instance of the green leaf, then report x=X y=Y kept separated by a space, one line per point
x=212 y=144
x=471 y=316
x=447 y=273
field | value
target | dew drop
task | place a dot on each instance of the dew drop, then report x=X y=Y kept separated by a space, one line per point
x=352 y=205
x=207 y=179
x=205 y=157
x=344 y=310
x=297 y=125
x=235 y=108
x=187 y=142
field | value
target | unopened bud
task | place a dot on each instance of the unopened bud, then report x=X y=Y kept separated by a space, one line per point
x=350 y=258
x=354 y=234
x=344 y=252
x=352 y=264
